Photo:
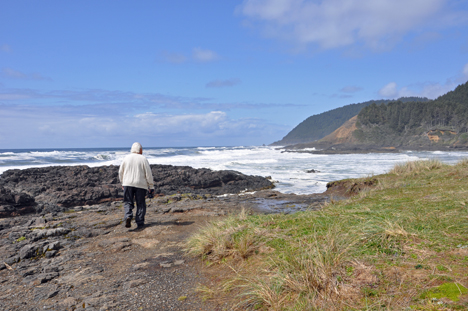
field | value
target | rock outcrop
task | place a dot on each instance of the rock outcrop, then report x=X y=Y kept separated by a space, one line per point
x=48 y=189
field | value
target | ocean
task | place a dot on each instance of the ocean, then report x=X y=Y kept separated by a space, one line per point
x=290 y=170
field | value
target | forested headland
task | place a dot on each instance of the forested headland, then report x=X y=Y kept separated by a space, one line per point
x=443 y=122
x=318 y=126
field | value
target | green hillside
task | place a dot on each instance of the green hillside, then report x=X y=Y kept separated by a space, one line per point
x=318 y=126
x=443 y=121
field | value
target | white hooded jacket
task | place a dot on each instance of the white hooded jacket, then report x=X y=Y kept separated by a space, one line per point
x=135 y=171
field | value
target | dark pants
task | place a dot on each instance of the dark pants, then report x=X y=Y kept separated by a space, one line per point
x=137 y=194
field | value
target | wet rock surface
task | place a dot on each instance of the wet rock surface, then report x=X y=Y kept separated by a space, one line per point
x=53 y=189
x=84 y=258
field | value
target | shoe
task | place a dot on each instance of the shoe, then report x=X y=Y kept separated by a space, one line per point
x=140 y=227
x=128 y=223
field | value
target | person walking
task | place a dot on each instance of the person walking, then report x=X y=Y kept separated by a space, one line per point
x=136 y=178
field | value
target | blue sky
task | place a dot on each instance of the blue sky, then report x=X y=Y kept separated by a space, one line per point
x=213 y=73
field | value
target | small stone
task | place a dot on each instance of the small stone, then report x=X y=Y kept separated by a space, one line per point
x=51 y=254
x=135 y=283
x=50 y=269
x=46 y=277
x=141 y=266
x=28 y=272
x=53 y=293
x=166 y=264
x=12 y=260
x=28 y=251
x=68 y=302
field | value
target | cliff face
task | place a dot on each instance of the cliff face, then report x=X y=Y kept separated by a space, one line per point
x=343 y=134
x=351 y=133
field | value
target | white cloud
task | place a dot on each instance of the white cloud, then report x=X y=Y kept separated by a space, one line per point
x=118 y=102
x=338 y=23
x=198 y=55
x=431 y=90
x=202 y=55
x=43 y=126
x=15 y=74
x=351 y=89
x=5 y=48
x=223 y=83
x=11 y=73
x=465 y=71
x=174 y=58
x=389 y=90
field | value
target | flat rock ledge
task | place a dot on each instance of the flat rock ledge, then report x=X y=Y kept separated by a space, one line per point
x=84 y=258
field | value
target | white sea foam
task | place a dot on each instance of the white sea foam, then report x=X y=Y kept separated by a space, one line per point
x=289 y=169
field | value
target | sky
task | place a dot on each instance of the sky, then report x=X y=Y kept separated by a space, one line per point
x=107 y=73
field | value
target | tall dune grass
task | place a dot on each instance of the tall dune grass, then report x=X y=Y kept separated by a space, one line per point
x=379 y=251
x=416 y=167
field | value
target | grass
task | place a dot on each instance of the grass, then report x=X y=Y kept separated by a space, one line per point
x=21 y=238
x=389 y=247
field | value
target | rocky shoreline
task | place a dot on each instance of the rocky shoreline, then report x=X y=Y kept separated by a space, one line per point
x=60 y=254
x=55 y=188
x=346 y=148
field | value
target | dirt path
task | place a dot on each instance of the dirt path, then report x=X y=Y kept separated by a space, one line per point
x=87 y=260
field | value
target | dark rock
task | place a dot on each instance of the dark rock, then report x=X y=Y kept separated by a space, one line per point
x=38 y=234
x=50 y=269
x=27 y=251
x=28 y=272
x=31 y=250
x=51 y=247
x=46 y=277
x=13 y=203
x=12 y=260
x=53 y=293
x=51 y=254
x=53 y=189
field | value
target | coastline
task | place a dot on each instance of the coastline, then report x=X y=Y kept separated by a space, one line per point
x=327 y=148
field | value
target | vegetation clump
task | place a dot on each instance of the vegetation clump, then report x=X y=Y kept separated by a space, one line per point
x=21 y=238
x=387 y=248
x=450 y=290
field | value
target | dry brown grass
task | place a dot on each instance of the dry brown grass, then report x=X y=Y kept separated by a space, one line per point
x=416 y=167
x=226 y=238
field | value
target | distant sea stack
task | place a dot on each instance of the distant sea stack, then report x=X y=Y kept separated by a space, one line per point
x=440 y=124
